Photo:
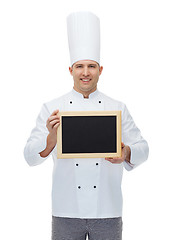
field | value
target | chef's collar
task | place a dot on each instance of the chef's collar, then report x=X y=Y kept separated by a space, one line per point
x=80 y=95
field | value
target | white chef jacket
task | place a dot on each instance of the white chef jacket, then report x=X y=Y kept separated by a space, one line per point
x=86 y=187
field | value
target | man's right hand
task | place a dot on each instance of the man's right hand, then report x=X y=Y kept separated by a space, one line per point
x=52 y=124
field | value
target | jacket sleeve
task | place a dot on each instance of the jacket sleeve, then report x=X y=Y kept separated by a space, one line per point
x=38 y=139
x=131 y=136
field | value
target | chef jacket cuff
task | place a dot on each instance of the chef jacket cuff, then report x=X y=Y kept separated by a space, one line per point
x=139 y=153
x=128 y=166
x=39 y=148
x=33 y=157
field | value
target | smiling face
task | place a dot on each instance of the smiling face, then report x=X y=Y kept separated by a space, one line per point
x=85 y=75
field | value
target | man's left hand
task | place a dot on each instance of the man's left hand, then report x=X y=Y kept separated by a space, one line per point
x=126 y=153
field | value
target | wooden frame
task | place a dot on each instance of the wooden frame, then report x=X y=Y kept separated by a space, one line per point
x=117 y=114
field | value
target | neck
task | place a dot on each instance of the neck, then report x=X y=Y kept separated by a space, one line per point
x=85 y=94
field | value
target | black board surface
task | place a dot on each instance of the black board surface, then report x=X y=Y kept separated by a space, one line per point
x=89 y=134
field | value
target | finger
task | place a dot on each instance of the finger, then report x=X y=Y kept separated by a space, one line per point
x=50 y=125
x=122 y=145
x=116 y=161
x=108 y=159
x=53 y=118
x=112 y=160
x=55 y=112
x=53 y=122
x=56 y=125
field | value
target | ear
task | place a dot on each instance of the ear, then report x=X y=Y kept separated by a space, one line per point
x=100 y=70
x=70 y=70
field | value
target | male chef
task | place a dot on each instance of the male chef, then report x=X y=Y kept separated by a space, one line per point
x=86 y=193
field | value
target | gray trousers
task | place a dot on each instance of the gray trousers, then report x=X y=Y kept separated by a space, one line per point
x=79 y=229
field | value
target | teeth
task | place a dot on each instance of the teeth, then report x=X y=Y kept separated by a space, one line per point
x=85 y=80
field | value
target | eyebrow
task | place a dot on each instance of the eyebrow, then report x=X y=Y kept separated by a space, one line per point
x=91 y=64
x=78 y=65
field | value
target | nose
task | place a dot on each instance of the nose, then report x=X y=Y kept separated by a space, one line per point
x=85 y=71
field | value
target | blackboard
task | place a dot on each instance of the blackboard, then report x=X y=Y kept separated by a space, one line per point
x=89 y=134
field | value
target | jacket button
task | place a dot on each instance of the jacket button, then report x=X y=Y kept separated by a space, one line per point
x=99 y=101
x=77 y=164
x=94 y=186
x=79 y=187
x=70 y=102
x=97 y=164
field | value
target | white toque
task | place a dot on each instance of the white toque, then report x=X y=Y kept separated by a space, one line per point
x=83 y=30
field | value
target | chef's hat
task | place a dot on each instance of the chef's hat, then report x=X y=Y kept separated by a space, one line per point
x=83 y=30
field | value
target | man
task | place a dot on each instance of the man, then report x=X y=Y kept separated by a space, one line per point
x=86 y=193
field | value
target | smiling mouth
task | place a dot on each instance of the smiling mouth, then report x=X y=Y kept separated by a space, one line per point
x=85 y=79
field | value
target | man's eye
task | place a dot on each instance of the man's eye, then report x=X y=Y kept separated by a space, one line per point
x=92 y=66
x=79 y=66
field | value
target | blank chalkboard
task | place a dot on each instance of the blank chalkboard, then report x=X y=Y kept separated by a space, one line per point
x=89 y=134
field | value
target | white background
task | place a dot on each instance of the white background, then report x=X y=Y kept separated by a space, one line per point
x=137 y=56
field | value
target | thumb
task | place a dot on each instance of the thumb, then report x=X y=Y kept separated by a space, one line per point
x=122 y=145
